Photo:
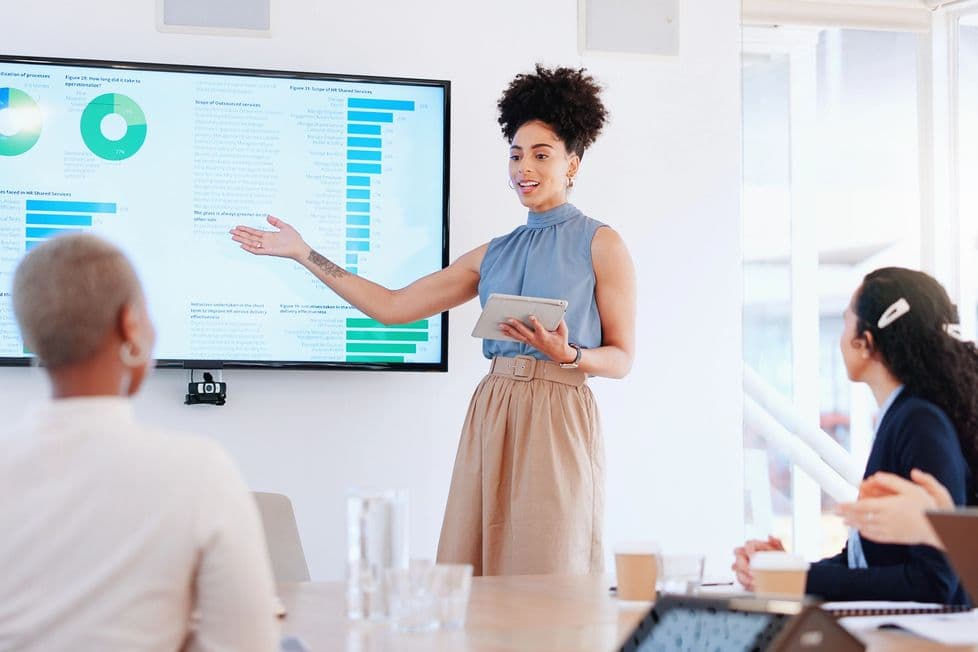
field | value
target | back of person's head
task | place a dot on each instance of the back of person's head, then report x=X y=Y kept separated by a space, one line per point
x=71 y=296
x=919 y=342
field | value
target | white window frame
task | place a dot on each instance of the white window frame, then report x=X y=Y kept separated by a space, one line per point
x=942 y=252
x=799 y=45
x=891 y=15
x=962 y=284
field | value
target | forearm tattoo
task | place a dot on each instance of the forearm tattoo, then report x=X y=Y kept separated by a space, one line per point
x=329 y=267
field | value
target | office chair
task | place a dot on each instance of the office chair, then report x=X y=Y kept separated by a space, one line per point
x=282 y=535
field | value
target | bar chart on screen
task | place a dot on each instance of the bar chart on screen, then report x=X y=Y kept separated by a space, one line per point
x=46 y=219
x=367 y=120
x=368 y=340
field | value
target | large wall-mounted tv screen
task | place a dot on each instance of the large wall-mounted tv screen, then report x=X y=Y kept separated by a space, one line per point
x=163 y=160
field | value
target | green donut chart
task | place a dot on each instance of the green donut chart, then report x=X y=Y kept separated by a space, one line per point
x=91 y=126
x=26 y=116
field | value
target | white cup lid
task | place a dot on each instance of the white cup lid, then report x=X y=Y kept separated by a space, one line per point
x=637 y=548
x=777 y=560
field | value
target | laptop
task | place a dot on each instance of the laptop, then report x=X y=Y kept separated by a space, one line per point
x=738 y=623
x=958 y=531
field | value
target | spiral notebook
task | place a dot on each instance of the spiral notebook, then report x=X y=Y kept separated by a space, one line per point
x=947 y=628
x=882 y=608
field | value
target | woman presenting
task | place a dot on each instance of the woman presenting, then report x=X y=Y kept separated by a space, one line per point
x=527 y=490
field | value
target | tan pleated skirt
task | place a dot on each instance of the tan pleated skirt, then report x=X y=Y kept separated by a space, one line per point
x=527 y=492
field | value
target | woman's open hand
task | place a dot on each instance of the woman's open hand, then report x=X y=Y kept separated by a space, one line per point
x=285 y=242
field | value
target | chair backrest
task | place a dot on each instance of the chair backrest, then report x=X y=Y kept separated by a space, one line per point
x=282 y=535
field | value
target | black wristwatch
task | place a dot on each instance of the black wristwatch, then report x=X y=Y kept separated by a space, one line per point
x=577 y=358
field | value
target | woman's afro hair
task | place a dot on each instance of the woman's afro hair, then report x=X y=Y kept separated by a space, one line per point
x=565 y=99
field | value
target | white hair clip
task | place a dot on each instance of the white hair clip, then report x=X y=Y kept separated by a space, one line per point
x=897 y=309
x=954 y=330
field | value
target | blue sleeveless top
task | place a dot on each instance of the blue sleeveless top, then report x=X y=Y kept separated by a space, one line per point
x=548 y=257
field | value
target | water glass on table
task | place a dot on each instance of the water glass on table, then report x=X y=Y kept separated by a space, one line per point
x=377 y=540
x=453 y=583
x=412 y=598
x=681 y=574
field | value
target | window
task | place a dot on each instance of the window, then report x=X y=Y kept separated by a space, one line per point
x=831 y=192
x=966 y=113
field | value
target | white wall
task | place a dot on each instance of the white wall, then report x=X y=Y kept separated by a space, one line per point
x=666 y=174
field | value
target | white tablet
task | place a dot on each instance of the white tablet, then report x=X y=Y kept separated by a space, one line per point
x=500 y=307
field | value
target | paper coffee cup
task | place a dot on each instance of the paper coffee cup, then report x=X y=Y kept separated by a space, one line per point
x=637 y=567
x=779 y=572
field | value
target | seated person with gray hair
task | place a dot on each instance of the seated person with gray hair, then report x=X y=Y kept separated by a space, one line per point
x=114 y=532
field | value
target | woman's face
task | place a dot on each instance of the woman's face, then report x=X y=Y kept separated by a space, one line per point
x=853 y=347
x=539 y=166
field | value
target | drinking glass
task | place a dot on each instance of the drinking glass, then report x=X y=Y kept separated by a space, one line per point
x=377 y=540
x=453 y=583
x=681 y=573
x=412 y=599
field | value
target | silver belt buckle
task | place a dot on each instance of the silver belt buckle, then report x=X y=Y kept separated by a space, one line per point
x=524 y=367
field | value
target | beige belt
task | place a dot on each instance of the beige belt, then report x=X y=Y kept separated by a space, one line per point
x=524 y=367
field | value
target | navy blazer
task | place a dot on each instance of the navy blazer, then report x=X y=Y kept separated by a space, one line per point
x=914 y=433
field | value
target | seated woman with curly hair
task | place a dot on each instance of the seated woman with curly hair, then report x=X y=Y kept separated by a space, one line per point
x=902 y=339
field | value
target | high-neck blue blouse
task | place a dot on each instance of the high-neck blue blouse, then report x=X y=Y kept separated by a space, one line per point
x=550 y=257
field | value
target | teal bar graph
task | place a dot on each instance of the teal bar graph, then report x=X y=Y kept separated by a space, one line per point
x=364 y=322
x=375 y=358
x=47 y=232
x=363 y=155
x=391 y=335
x=370 y=340
x=363 y=168
x=363 y=142
x=366 y=130
x=70 y=206
x=50 y=218
x=369 y=116
x=380 y=347
x=57 y=219
x=384 y=105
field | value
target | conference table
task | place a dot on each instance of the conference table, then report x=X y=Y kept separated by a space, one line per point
x=542 y=613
